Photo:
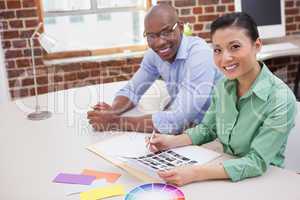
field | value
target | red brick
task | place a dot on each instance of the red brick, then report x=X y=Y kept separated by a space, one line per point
x=291 y=27
x=36 y=51
x=19 y=93
x=113 y=63
x=7 y=14
x=28 y=3
x=292 y=11
x=4 y=25
x=297 y=18
x=190 y=19
x=127 y=70
x=209 y=9
x=185 y=11
x=42 y=80
x=31 y=23
x=183 y=3
x=70 y=77
x=40 y=71
x=209 y=18
x=43 y=90
x=10 y=64
x=198 y=27
x=227 y=1
x=2 y=5
x=13 y=54
x=135 y=67
x=231 y=8
x=16 y=24
x=95 y=73
x=289 y=20
x=69 y=67
x=221 y=8
x=10 y=34
x=204 y=35
x=197 y=10
x=26 y=34
x=27 y=81
x=6 y=44
x=14 y=83
x=89 y=65
x=283 y=60
x=19 y=43
x=26 y=13
x=38 y=61
x=289 y=4
x=83 y=75
x=15 y=73
x=131 y=61
x=207 y=2
x=57 y=78
x=13 y=4
x=106 y=80
x=23 y=63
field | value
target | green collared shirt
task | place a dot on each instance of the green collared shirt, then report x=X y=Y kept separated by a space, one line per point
x=254 y=127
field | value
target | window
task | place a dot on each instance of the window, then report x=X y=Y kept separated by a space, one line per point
x=95 y=24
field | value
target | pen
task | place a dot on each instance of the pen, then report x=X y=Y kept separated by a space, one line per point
x=151 y=137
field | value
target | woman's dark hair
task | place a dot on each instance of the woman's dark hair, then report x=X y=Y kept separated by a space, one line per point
x=237 y=19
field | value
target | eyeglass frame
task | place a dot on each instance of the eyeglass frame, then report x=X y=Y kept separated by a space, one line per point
x=167 y=33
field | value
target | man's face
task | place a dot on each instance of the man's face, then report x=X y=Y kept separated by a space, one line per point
x=163 y=36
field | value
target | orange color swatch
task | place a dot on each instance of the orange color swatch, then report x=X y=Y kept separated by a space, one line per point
x=109 y=176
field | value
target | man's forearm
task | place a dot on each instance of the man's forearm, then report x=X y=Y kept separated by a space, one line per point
x=139 y=124
x=121 y=104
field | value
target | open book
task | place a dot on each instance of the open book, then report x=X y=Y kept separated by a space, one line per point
x=128 y=151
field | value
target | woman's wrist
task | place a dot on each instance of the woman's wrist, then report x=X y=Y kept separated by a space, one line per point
x=182 y=140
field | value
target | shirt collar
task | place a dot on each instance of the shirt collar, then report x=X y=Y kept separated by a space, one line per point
x=182 y=50
x=263 y=83
x=260 y=87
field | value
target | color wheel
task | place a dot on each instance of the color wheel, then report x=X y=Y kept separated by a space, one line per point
x=159 y=191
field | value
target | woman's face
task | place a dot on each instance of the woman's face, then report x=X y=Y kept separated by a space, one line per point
x=235 y=52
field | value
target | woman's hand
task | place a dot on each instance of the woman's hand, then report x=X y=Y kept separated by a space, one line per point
x=180 y=175
x=159 y=142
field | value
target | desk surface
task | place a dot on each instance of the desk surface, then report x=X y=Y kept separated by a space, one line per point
x=33 y=152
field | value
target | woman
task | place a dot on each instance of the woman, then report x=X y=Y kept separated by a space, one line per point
x=251 y=113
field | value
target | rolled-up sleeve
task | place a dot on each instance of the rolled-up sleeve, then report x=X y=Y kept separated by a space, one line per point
x=193 y=98
x=141 y=81
x=268 y=142
x=206 y=131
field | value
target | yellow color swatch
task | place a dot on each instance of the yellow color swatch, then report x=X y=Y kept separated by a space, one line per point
x=103 y=192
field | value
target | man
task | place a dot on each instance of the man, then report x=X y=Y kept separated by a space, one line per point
x=184 y=63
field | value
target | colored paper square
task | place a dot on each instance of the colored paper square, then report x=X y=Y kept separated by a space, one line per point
x=109 y=176
x=104 y=192
x=74 y=179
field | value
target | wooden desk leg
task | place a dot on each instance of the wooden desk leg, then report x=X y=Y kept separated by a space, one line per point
x=296 y=83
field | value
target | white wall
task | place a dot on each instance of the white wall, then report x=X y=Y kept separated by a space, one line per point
x=4 y=95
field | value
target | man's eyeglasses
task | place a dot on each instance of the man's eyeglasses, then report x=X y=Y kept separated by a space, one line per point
x=164 y=34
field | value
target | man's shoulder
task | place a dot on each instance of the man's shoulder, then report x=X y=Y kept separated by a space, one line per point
x=197 y=42
x=195 y=46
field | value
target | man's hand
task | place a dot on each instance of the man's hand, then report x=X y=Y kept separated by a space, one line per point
x=102 y=106
x=103 y=120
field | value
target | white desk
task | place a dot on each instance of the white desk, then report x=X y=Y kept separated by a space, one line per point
x=33 y=153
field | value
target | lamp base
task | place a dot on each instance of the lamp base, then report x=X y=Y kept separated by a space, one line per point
x=39 y=115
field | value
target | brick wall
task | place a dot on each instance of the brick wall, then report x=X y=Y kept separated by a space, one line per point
x=19 y=18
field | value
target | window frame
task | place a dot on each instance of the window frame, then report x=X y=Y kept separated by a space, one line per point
x=95 y=52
